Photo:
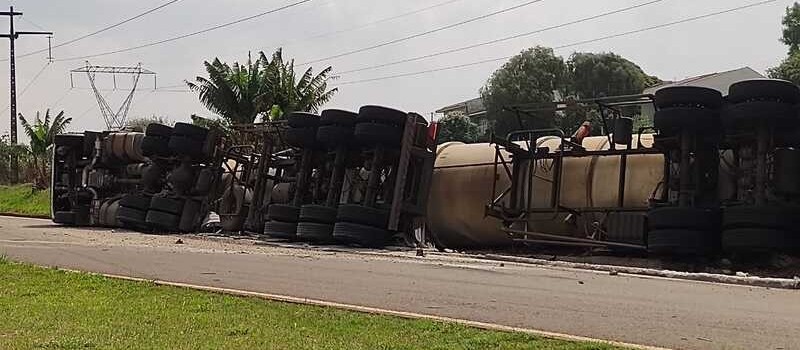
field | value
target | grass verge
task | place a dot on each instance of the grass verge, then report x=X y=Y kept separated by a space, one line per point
x=24 y=200
x=52 y=309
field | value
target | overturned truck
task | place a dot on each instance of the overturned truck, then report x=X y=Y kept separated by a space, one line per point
x=712 y=174
x=357 y=178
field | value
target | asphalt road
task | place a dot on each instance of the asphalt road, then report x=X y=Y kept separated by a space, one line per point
x=660 y=312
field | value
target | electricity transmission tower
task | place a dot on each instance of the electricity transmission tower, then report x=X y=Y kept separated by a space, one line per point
x=114 y=119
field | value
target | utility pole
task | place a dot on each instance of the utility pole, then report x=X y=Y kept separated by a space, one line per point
x=13 y=35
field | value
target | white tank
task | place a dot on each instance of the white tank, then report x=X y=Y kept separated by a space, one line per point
x=462 y=187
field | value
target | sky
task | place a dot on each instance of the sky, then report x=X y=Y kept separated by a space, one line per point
x=322 y=28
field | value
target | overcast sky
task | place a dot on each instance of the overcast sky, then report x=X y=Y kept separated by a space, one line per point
x=745 y=38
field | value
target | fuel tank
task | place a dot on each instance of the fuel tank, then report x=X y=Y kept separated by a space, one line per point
x=464 y=174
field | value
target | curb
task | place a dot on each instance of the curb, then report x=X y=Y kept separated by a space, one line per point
x=26 y=216
x=375 y=311
x=768 y=282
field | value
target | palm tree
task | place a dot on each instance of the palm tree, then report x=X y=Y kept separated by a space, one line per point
x=307 y=94
x=41 y=134
x=239 y=93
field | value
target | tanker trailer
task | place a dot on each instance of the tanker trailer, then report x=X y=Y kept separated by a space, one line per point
x=539 y=186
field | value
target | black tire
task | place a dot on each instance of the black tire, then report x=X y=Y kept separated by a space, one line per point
x=283 y=212
x=337 y=117
x=362 y=235
x=131 y=217
x=190 y=216
x=683 y=218
x=283 y=230
x=374 y=134
x=194 y=132
x=203 y=185
x=184 y=146
x=172 y=206
x=750 y=114
x=301 y=137
x=155 y=146
x=334 y=135
x=359 y=214
x=162 y=220
x=768 y=217
x=764 y=89
x=69 y=140
x=315 y=232
x=64 y=217
x=135 y=201
x=382 y=115
x=688 y=96
x=318 y=214
x=156 y=129
x=760 y=240
x=302 y=120
x=675 y=119
x=680 y=242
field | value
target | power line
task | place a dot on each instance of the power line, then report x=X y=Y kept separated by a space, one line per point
x=159 y=42
x=35 y=77
x=439 y=29
x=31 y=23
x=100 y=30
x=369 y=24
x=612 y=36
x=515 y=36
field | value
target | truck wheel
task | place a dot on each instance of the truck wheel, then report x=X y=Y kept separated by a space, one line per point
x=64 y=217
x=166 y=221
x=688 y=96
x=172 y=206
x=767 y=217
x=359 y=214
x=135 y=201
x=760 y=240
x=131 y=217
x=334 y=135
x=185 y=146
x=680 y=242
x=318 y=214
x=302 y=120
x=764 y=89
x=191 y=131
x=366 y=236
x=283 y=212
x=301 y=137
x=374 y=134
x=338 y=117
x=155 y=146
x=315 y=232
x=203 y=185
x=671 y=120
x=111 y=213
x=156 y=129
x=278 y=229
x=381 y=114
x=683 y=218
x=189 y=216
x=750 y=114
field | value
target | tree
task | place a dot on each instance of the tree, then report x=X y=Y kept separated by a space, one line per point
x=791 y=28
x=239 y=93
x=458 y=128
x=529 y=77
x=41 y=134
x=789 y=69
x=534 y=75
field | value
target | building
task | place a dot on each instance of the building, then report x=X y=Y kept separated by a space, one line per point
x=474 y=109
x=717 y=81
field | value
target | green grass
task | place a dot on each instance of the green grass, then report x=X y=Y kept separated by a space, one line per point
x=24 y=200
x=50 y=309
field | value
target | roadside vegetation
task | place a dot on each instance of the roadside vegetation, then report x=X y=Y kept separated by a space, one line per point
x=24 y=199
x=88 y=311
